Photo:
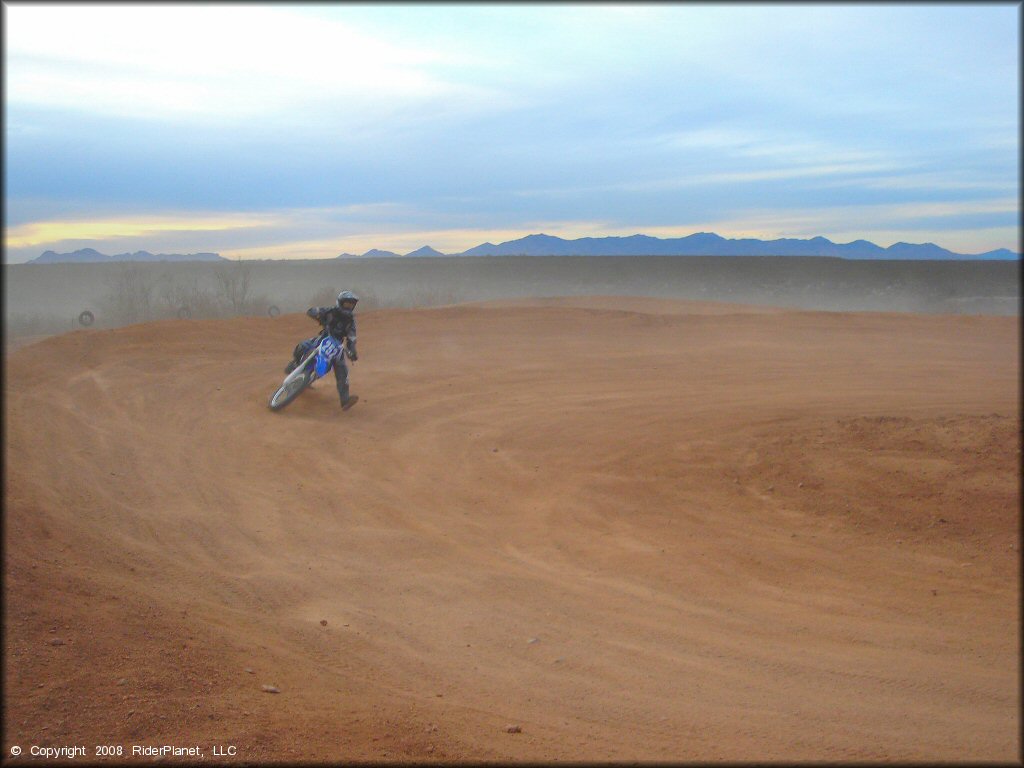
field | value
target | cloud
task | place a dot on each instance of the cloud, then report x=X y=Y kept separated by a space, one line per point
x=210 y=62
x=40 y=233
x=932 y=181
x=831 y=170
x=691 y=180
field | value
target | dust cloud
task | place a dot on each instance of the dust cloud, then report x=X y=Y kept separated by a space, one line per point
x=43 y=299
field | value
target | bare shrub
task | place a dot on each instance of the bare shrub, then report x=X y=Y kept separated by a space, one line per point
x=233 y=285
x=166 y=294
x=200 y=303
x=129 y=298
x=258 y=304
x=185 y=299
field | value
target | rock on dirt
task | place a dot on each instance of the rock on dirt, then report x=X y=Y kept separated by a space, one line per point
x=513 y=729
x=270 y=689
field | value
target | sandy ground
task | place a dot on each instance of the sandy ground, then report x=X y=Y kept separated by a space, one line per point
x=635 y=529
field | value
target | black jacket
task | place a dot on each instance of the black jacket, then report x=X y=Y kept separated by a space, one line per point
x=339 y=323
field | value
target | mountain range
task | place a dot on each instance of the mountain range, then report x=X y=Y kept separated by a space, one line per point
x=374 y=253
x=701 y=244
x=91 y=256
x=698 y=244
x=710 y=244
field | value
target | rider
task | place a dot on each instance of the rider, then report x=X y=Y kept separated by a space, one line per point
x=340 y=322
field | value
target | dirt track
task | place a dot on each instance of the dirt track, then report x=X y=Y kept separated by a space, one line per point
x=665 y=531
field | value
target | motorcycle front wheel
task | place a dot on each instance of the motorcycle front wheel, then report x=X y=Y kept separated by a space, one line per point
x=289 y=391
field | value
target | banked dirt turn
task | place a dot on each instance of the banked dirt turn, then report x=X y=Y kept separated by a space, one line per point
x=587 y=529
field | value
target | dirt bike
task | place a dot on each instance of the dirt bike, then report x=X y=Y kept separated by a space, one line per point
x=315 y=365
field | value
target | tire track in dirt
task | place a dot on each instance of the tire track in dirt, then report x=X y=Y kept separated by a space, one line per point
x=586 y=521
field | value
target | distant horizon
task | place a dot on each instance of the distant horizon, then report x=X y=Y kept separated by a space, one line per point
x=412 y=241
x=388 y=252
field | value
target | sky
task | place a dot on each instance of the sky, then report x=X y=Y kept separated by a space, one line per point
x=307 y=131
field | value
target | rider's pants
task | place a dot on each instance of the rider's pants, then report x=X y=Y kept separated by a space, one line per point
x=341 y=377
x=303 y=348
